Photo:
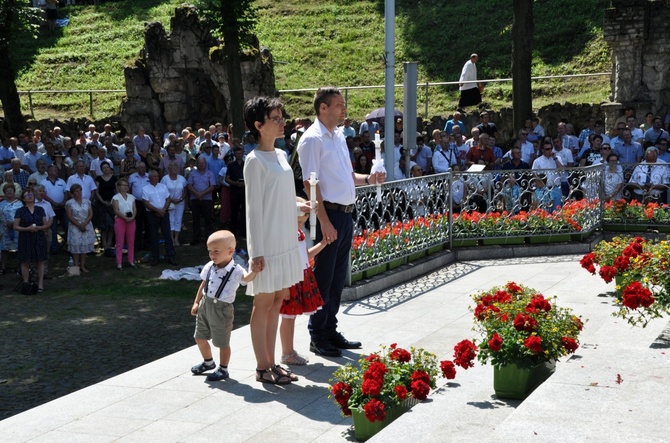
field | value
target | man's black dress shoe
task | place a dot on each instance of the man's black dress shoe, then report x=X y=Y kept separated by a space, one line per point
x=325 y=349
x=172 y=261
x=338 y=341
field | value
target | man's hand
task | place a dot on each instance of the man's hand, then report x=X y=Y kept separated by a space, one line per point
x=328 y=231
x=378 y=178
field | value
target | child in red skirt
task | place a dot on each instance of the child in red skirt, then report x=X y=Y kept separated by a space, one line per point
x=305 y=297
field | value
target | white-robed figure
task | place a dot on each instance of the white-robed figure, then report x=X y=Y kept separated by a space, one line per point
x=470 y=93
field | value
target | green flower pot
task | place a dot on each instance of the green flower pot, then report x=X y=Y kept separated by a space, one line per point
x=580 y=236
x=435 y=249
x=356 y=277
x=365 y=429
x=416 y=255
x=622 y=227
x=555 y=238
x=369 y=273
x=464 y=243
x=397 y=262
x=512 y=382
x=504 y=241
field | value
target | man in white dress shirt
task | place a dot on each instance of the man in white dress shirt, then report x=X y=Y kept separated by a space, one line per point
x=323 y=150
x=156 y=199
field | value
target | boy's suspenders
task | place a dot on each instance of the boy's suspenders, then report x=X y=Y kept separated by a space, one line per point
x=224 y=281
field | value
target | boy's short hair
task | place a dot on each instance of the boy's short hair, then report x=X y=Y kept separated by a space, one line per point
x=222 y=236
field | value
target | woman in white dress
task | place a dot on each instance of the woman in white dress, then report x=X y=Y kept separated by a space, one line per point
x=270 y=217
x=176 y=185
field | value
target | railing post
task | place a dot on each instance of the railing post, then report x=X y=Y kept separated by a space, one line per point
x=90 y=100
x=426 y=100
x=30 y=100
x=346 y=99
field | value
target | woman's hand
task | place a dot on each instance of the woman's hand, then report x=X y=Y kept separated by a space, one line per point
x=307 y=208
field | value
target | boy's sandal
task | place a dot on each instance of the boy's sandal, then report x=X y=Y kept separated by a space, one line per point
x=284 y=372
x=269 y=376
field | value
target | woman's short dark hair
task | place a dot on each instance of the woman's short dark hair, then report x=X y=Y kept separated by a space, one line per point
x=75 y=187
x=257 y=110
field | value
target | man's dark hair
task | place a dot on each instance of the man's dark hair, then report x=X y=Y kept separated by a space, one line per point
x=323 y=95
x=257 y=110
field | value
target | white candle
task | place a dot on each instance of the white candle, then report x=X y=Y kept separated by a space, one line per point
x=312 y=204
x=378 y=160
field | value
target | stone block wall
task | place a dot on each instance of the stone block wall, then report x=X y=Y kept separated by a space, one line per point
x=638 y=33
x=180 y=78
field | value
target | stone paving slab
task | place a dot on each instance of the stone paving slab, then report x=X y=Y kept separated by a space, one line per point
x=162 y=401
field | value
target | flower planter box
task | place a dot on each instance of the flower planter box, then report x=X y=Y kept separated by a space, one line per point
x=435 y=249
x=397 y=262
x=464 y=243
x=555 y=238
x=356 y=277
x=580 y=236
x=416 y=255
x=369 y=273
x=663 y=228
x=622 y=227
x=504 y=241
x=365 y=429
x=512 y=382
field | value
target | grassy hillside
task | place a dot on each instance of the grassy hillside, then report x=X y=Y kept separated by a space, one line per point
x=338 y=42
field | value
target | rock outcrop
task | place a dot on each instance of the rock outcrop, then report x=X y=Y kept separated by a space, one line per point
x=181 y=77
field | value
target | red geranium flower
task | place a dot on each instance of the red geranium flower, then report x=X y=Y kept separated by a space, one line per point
x=371 y=387
x=622 y=263
x=448 y=369
x=401 y=355
x=534 y=343
x=636 y=295
x=420 y=389
x=401 y=392
x=608 y=273
x=524 y=322
x=495 y=344
x=421 y=375
x=464 y=354
x=540 y=303
x=569 y=344
x=376 y=371
x=587 y=262
x=374 y=410
x=514 y=288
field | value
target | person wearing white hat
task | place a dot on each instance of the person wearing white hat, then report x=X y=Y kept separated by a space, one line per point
x=369 y=125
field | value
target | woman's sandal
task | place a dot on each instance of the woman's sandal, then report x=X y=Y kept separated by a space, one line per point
x=270 y=376
x=284 y=372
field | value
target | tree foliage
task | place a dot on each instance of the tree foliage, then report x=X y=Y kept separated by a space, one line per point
x=16 y=17
x=235 y=21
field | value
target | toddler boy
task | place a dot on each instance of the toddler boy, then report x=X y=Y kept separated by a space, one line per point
x=213 y=305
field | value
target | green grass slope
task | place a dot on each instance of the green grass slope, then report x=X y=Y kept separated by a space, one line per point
x=338 y=42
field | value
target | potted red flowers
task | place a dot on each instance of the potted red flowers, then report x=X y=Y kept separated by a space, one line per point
x=640 y=268
x=523 y=334
x=384 y=385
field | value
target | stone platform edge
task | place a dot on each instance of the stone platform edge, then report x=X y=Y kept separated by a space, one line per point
x=366 y=287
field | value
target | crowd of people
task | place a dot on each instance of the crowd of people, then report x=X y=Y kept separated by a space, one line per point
x=119 y=194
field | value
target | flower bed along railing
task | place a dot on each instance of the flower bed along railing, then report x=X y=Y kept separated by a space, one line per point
x=423 y=214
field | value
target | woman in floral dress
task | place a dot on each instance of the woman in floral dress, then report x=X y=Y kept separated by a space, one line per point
x=8 y=237
x=80 y=233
